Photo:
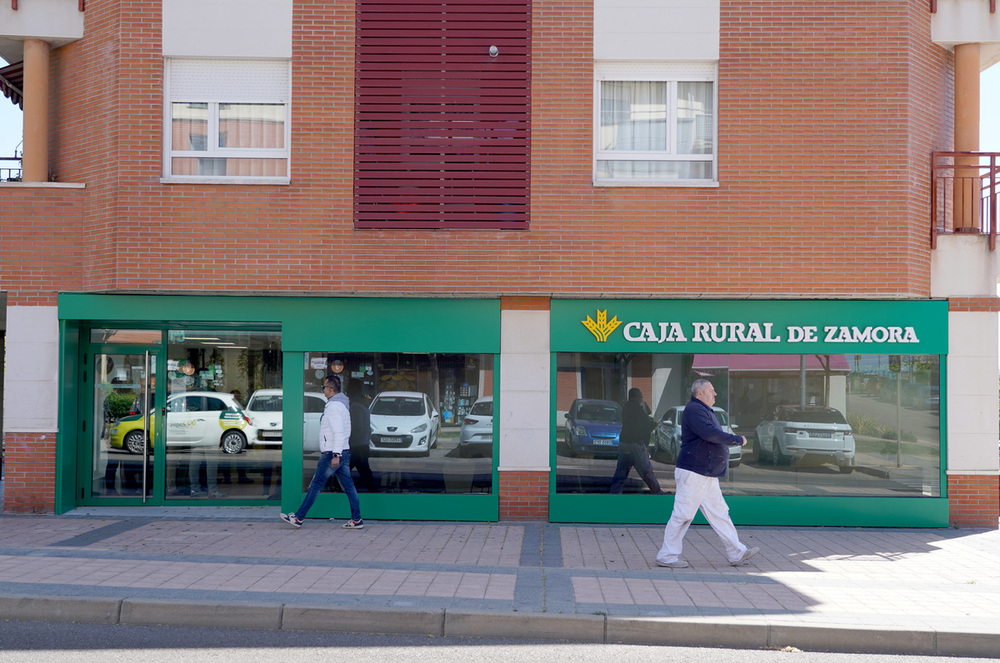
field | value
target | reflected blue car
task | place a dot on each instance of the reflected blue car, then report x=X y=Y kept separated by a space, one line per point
x=593 y=427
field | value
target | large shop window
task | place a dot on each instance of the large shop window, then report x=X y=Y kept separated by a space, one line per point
x=818 y=424
x=655 y=124
x=214 y=449
x=432 y=424
x=227 y=121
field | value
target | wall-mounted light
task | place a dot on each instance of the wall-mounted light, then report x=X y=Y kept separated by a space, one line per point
x=494 y=51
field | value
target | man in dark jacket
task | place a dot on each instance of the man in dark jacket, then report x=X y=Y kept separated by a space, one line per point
x=703 y=458
x=632 y=445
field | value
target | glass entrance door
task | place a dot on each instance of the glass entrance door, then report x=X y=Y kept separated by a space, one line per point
x=124 y=402
x=167 y=421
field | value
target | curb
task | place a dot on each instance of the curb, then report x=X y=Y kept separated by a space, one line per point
x=447 y=623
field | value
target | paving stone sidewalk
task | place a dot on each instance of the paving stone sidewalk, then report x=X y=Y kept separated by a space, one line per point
x=835 y=589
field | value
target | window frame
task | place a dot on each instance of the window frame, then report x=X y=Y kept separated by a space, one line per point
x=214 y=100
x=670 y=73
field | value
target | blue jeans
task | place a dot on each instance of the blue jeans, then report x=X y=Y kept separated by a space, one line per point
x=323 y=473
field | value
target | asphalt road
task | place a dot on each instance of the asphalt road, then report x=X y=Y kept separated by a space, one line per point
x=63 y=643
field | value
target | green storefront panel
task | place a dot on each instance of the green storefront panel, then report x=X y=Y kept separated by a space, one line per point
x=751 y=327
x=307 y=324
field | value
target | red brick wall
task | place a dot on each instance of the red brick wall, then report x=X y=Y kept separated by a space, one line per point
x=974 y=500
x=827 y=114
x=524 y=495
x=522 y=303
x=29 y=473
x=40 y=243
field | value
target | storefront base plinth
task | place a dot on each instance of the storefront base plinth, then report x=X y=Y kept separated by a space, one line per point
x=524 y=495
x=759 y=510
x=405 y=506
x=975 y=500
x=29 y=472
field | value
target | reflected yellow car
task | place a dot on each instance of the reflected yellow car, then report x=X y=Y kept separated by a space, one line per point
x=194 y=419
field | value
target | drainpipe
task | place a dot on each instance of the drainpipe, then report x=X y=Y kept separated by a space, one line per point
x=35 y=155
x=967 y=189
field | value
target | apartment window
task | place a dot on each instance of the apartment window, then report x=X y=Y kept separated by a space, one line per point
x=655 y=124
x=227 y=121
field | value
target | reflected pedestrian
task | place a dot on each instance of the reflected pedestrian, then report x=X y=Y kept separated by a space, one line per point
x=703 y=458
x=633 y=443
x=334 y=457
x=361 y=430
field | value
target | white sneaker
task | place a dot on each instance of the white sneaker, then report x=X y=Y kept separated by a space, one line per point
x=745 y=558
x=679 y=564
x=291 y=519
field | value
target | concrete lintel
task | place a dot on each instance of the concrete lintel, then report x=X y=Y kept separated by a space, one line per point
x=201 y=614
x=544 y=626
x=60 y=609
x=395 y=621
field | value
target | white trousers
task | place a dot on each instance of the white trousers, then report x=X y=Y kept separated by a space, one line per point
x=694 y=492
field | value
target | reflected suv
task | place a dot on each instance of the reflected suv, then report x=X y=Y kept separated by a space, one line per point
x=793 y=431
x=404 y=422
x=593 y=427
x=668 y=434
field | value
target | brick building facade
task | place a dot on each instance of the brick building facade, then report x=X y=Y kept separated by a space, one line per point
x=823 y=119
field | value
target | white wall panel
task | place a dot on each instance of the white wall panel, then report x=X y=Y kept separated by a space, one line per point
x=963 y=266
x=31 y=376
x=227 y=28
x=972 y=397
x=524 y=390
x=656 y=29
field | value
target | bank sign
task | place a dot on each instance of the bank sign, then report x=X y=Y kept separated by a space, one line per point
x=750 y=326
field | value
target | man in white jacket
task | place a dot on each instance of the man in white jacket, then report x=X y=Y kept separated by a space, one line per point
x=334 y=458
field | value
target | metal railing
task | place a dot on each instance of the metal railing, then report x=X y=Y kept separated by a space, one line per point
x=10 y=173
x=964 y=189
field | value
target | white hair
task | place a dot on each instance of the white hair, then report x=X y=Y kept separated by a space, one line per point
x=699 y=386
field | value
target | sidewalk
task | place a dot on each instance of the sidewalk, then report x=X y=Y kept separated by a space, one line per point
x=867 y=590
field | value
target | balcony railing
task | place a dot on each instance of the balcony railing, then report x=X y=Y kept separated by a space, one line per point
x=964 y=189
x=8 y=171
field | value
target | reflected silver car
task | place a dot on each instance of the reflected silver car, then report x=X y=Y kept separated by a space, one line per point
x=667 y=440
x=476 y=437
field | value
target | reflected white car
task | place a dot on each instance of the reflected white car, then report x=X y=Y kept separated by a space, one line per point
x=404 y=422
x=476 y=436
x=667 y=440
x=793 y=431
x=265 y=409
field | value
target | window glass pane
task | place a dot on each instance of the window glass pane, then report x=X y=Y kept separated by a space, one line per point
x=654 y=170
x=215 y=444
x=431 y=420
x=633 y=116
x=252 y=125
x=846 y=425
x=181 y=166
x=189 y=124
x=695 y=118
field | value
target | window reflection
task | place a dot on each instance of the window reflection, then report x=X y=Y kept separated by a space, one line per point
x=861 y=425
x=431 y=419
x=216 y=446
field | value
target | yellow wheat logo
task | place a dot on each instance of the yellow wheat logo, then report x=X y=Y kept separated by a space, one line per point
x=603 y=327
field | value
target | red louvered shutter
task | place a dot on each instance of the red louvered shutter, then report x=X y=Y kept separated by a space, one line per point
x=441 y=126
